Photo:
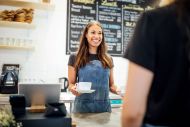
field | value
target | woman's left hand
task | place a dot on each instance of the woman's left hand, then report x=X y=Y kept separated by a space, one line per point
x=115 y=90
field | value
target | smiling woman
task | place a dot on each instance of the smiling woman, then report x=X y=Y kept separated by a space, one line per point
x=92 y=64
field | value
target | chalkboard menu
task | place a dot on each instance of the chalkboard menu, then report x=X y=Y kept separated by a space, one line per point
x=118 y=18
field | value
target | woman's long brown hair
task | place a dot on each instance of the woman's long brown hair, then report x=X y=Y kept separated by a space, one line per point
x=82 y=57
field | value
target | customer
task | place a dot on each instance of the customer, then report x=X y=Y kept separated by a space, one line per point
x=92 y=64
x=158 y=87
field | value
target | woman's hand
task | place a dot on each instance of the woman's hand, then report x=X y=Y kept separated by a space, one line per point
x=72 y=88
x=115 y=90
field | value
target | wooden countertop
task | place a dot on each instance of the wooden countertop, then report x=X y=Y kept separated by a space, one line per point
x=98 y=119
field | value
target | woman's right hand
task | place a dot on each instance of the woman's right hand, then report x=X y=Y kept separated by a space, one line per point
x=73 y=90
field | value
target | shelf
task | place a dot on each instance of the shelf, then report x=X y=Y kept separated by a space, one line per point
x=16 y=47
x=27 y=4
x=16 y=25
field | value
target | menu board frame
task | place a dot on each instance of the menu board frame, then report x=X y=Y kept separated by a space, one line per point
x=118 y=18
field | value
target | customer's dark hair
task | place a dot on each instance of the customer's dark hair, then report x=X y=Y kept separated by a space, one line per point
x=183 y=11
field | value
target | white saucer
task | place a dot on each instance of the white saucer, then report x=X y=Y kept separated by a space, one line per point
x=85 y=91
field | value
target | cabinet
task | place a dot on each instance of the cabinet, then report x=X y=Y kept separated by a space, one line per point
x=21 y=25
x=38 y=119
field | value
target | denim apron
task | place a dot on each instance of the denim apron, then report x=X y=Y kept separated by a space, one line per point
x=97 y=101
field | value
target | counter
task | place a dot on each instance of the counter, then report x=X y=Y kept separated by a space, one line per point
x=112 y=119
x=94 y=119
x=86 y=119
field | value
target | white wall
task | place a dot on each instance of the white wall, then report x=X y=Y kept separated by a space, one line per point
x=48 y=61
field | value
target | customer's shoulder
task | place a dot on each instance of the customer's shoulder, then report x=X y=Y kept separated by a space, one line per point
x=158 y=16
x=161 y=12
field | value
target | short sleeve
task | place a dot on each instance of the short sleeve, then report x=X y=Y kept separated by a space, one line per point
x=141 y=48
x=71 y=61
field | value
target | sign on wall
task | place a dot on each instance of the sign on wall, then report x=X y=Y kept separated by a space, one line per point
x=118 y=18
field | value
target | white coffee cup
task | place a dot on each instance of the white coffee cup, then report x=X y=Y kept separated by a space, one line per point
x=84 y=85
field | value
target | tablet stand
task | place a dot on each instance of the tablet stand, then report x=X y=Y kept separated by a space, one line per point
x=37 y=103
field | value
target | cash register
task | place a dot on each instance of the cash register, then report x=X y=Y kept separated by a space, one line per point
x=51 y=93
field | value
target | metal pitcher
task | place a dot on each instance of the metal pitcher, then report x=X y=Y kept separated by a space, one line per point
x=65 y=84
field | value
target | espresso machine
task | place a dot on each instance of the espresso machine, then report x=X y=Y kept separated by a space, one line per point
x=9 y=79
